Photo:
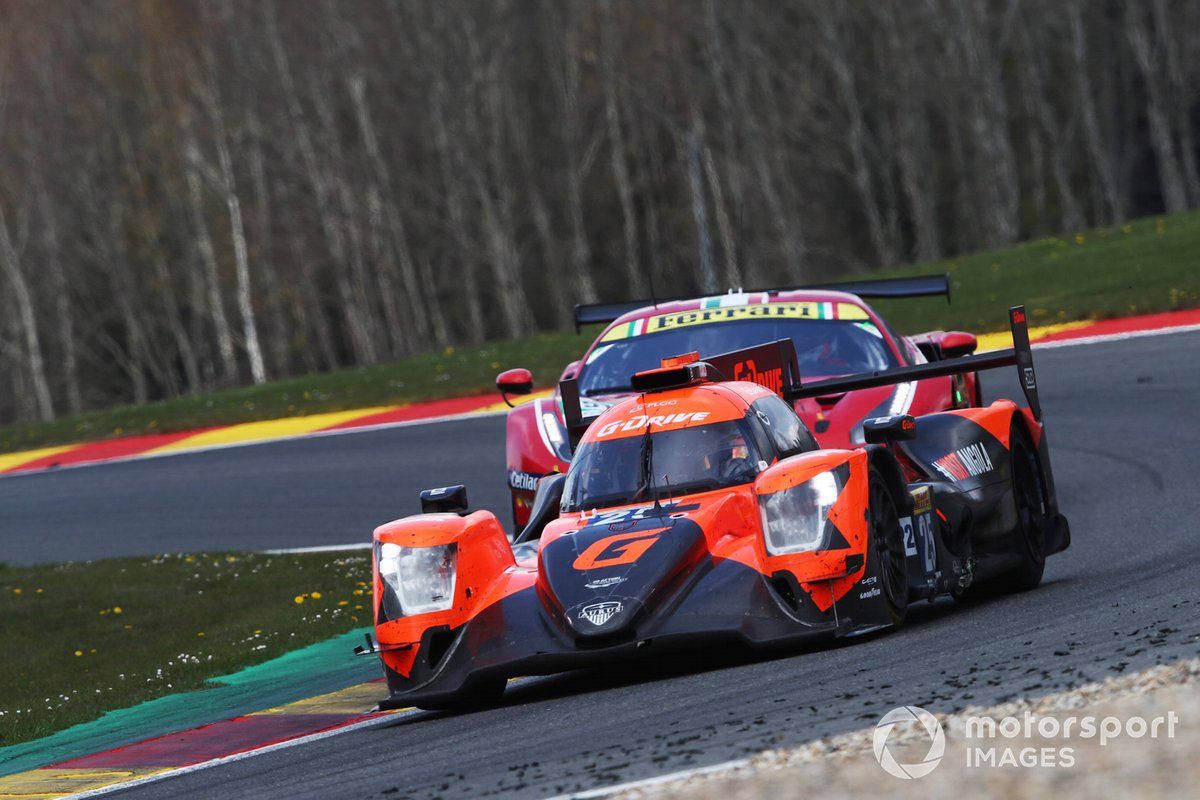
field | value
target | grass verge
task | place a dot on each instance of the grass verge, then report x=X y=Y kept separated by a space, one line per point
x=1141 y=267
x=84 y=638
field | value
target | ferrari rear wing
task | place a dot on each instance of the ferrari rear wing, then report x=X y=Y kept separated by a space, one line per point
x=919 y=286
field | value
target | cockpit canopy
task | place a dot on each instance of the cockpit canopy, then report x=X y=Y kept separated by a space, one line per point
x=639 y=463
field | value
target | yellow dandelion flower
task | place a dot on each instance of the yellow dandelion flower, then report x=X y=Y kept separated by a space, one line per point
x=343 y=602
x=16 y=591
x=200 y=634
x=116 y=609
x=78 y=653
x=299 y=599
x=1079 y=239
x=315 y=595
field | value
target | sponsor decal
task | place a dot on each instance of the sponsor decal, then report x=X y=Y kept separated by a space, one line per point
x=869 y=594
x=590 y=407
x=966 y=462
x=523 y=481
x=870 y=580
x=603 y=583
x=613 y=551
x=641 y=421
x=770 y=378
x=1030 y=380
x=734 y=299
x=922 y=500
x=600 y=613
x=620 y=515
x=704 y=316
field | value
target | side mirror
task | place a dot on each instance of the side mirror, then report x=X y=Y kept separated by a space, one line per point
x=514 y=381
x=958 y=343
x=884 y=430
x=570 y=371
x=446 y=500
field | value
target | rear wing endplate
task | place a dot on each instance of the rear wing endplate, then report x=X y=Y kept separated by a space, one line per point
x=918 y=286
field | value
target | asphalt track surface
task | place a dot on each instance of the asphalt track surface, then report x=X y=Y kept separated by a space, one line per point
x=1124 y=429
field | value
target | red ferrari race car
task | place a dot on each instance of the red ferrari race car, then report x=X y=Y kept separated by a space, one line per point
x=834 y=333
x=701 y=511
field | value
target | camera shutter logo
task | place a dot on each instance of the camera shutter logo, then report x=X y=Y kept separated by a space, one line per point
x=908 y=715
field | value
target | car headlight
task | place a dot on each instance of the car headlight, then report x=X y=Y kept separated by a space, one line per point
x=794 y=519
x=421 y=579
x=554 y=435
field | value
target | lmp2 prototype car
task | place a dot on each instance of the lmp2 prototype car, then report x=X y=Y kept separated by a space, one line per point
x=700 y=511
x=834 y=333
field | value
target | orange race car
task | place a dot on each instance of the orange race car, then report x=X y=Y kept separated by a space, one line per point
x=701 y=510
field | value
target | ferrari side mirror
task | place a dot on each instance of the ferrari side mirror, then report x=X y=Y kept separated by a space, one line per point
x=958 y=343
x=514 y=381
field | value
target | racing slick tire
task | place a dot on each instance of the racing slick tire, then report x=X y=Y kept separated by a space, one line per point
x=886 y=541
x=1029 y=495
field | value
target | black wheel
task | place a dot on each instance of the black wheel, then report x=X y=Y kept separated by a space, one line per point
x=1029 y=496
x=886 y=542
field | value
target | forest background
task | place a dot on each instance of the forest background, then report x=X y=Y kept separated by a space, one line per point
x=202 y=194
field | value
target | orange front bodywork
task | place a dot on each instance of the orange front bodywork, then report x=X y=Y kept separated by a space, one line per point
x=486 y=573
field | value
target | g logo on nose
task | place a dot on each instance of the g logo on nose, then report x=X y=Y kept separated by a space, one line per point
x=613 y=551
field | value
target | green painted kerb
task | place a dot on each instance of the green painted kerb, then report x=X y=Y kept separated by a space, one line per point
x=319 y=669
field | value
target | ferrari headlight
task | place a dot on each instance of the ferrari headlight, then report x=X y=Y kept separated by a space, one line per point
x=554 y=435
x=794 y=519
x=420 y=578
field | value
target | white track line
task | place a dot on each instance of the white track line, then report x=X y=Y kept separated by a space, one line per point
x=648 y=783
x=1116 y=337
x=325 y=548
x=271 y=748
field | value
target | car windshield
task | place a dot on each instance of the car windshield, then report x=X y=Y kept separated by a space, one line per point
x=660 y=465
x=823 y=347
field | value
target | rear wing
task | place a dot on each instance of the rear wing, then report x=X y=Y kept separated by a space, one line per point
x=1019 y=354
x=774 y=365
x=919 y=286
